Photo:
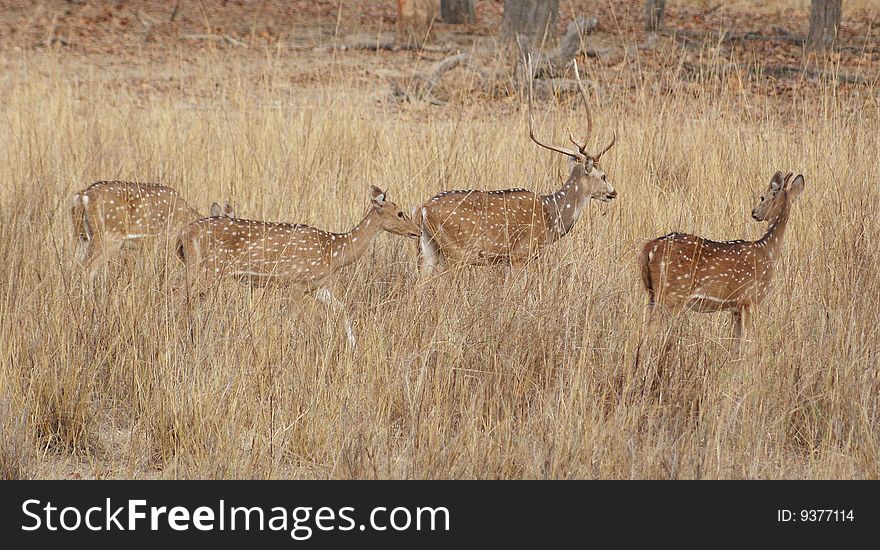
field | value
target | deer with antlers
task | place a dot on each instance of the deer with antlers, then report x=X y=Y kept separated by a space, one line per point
x=685 y=271
x=511 y=226
x=109 y=214
x=297 y=255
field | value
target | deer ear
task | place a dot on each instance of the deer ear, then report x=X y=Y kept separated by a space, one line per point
x=796 y=187
x=216 y=210
x=777 y=181
x=377 y=195
x=228 y=211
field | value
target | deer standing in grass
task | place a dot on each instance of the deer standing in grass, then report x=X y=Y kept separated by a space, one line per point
x=294 y=254
x=511 y=226
x=108 y=214
x=685 y=271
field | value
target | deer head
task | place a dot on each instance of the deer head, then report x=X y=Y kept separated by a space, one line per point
x=224 y=211
x=391 y=217
x=782 y=190
x=585 y=174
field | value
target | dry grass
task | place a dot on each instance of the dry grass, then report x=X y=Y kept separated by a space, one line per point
x=459 y=376
x=768 y=5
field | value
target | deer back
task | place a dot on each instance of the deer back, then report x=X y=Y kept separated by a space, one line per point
x=257 y=250
x=486 y=226
x=129 y=210
x=680 y=269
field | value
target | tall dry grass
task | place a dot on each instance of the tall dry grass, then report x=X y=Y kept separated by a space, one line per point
x=459 y=376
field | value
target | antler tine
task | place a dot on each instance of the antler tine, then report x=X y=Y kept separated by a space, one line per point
x=583 y=92
x=605 y=150
x=581 y=148
x=576 y=154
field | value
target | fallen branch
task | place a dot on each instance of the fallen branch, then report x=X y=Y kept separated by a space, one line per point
x=422 y=86
x=570 y=45
x=549 y=67
x=393 y=46
x=780 y=35
x=858 y=49
x=146 y=19
x=383 y=42
x=174 y=11
x=441 y=67
x=596 y=52
x=781 y=71
x=788 y=70
x=219 y=37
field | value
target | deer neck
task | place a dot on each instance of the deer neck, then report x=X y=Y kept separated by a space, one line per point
x=772 y=239
x=346 y=248
x=181 y=213
x=564 y=207
x=192 y=214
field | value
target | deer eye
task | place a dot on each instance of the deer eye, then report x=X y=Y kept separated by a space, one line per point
x=604 y=177
x=400 y=215
x=762 y=199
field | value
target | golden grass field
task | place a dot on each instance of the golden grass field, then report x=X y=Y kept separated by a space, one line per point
x=458 y=376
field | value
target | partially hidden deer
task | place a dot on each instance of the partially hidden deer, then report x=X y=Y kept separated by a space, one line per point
x=108 y=214
x=297 y=255
x=511 y=226
x=682 y=271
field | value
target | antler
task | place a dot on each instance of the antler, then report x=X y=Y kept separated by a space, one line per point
x=583 y=92
x=576 y=154
x=605 y=150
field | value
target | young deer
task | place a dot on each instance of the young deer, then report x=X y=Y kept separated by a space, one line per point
x=107 y=214
x=294 y=254
x=681 y=270
x=511 y=226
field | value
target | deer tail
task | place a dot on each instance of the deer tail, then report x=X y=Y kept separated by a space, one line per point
x=81 y=229
x=179 y=247
x=644 y=259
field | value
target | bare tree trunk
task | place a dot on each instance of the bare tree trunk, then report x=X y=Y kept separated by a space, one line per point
x=824 y=24
x=533 y=18
x=654 y=14
x=414 y=18
x=457 y=12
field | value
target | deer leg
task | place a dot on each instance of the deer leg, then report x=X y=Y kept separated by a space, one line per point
x=325 y=296
x=741 y=318
x=83 y=249
x=196 y=285
x=100 y=252
x=168 y=252
x=429 y=253
x=654 y=315
x=649 y=327
x=512 y=269
x=737 y=321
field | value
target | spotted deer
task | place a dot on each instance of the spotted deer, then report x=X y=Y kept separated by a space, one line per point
x=511 y=226
x=685 y=271
x=297 y=255
x=108 y=214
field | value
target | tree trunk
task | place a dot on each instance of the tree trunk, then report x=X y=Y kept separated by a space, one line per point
x=457 y=12
x=535 y=19
x=654 y=14
x=414 y=18
x=824 y=24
